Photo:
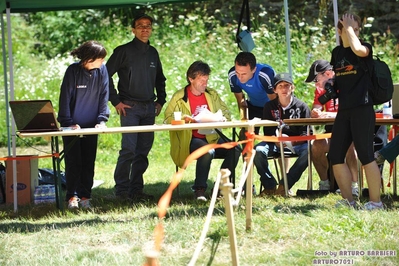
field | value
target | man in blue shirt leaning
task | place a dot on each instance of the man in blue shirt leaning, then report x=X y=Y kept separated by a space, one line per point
x=256 y=80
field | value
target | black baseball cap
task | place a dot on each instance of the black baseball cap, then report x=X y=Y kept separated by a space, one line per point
x=141 y=16
x=318 y=66
x=282 y=77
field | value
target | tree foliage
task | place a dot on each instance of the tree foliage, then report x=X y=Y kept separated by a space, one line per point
x=68 y=29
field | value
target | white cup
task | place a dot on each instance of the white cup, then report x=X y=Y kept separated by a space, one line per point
x=177 y=115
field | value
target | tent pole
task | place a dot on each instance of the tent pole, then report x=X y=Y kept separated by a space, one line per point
x=3 y=47
x=335 y=7
x=287 y=36
x=14 y=162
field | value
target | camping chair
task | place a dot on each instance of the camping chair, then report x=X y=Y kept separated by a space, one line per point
x=284 y=170
x=226 y=139
x=277 y=158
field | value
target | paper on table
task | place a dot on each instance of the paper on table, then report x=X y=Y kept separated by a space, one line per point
x=204 y=116
x=287 y=144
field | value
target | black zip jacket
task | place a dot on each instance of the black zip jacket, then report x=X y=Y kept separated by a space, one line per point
x=139 y=70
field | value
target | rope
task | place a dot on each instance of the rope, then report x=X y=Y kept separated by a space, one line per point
x=164 y=201
x=29 y=157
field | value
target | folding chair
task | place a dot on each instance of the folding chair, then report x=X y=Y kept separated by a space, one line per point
x=284 y=171
x=277 y=157
x=226 y=139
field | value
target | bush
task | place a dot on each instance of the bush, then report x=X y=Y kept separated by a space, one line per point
x=181 y=37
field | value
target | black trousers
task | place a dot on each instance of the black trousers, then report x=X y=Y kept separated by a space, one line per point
x=80 y=156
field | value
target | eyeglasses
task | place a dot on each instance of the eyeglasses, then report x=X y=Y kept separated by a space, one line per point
x=144 y=27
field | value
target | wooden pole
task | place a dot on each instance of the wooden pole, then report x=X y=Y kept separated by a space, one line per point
x=226 y=187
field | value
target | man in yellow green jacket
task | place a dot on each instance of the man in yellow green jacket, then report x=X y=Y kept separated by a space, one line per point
x=195 y=98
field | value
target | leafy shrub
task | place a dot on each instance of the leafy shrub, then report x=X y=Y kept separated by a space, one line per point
x=181 y=37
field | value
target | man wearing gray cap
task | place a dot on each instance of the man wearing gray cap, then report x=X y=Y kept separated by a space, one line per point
x=285 y=106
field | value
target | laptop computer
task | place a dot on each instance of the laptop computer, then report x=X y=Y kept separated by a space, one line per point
x=34 y=116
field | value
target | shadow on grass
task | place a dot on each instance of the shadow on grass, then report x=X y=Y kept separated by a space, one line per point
x=104 y=201
x=19 y=226
x=305 y=209
x=390 y=203
x=182 y=204
x=216 y=237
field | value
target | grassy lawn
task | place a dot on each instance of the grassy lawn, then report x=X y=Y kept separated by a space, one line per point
x=285 y=231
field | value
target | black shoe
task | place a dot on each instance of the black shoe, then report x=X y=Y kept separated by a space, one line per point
x=141 y=197
x=200 y=194
x=122 y=196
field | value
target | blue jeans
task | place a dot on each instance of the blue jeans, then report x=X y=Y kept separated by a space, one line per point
x=265 y=149
x=231 y=157
x=391 y=150
x=132 y=160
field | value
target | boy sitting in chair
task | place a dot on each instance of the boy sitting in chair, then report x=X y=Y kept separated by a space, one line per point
x=285 y=106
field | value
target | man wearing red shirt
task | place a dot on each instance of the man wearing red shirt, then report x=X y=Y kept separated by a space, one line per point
x=321 y=73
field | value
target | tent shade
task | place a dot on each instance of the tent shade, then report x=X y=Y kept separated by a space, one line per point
x=25 y=6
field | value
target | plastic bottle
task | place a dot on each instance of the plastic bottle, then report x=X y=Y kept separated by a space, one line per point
x=48 y=193
x=387 y=109
x=38 y=195
x=51 y=193
x=45 y=193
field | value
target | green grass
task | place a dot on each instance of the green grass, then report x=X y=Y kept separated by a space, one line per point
x=285 y=231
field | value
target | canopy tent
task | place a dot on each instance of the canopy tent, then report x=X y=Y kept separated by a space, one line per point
x=26 y=6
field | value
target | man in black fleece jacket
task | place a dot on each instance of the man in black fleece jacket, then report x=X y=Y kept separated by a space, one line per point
x=140 y=71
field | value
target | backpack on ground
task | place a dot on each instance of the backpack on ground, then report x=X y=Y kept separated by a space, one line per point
x=381 y=90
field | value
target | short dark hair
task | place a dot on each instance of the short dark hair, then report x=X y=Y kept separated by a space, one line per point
x=141 y=16
x=90 y=50
x=246 y=58
x=198 y=68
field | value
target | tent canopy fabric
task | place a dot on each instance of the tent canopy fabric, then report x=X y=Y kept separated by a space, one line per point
x=25 y=6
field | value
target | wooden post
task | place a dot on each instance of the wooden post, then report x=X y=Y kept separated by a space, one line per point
x=248 y=190
x=226 y=187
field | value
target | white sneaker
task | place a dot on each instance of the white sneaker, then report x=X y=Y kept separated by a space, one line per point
x=324 y=185
x=371 y=205
x=73 y=203
x=345 y=203
x=355 y=191
x=85 y=203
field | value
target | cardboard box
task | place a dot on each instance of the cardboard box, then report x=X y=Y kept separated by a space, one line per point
x=27 y=179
